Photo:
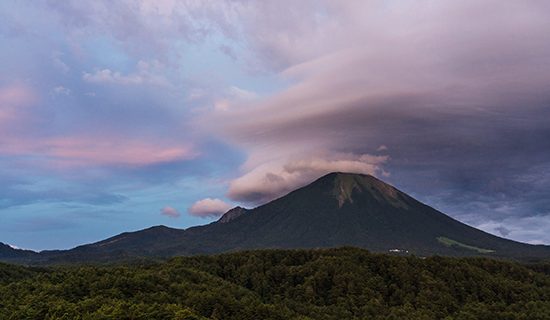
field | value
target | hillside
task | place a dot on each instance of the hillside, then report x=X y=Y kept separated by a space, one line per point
x=327 y=284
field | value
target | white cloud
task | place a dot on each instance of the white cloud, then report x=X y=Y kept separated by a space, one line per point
x=209 y=208
x=61 y=90
x=234 y=96
x=59 y=64
x=271 y=180
x=146 y=73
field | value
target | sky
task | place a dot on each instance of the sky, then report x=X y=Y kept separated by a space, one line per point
x=120 y=115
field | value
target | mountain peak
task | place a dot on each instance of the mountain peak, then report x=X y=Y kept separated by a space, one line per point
x=232 y=214
x=345 y=185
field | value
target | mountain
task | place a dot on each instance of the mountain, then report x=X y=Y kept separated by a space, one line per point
x=342 y=209
x=232 y=214
x=338 y=209
x=9 y=253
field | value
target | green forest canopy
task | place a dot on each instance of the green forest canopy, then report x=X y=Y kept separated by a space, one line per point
x=345 y=283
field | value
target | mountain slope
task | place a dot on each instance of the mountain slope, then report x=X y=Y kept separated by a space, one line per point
x=339 y=209
x=8 y=253
x=351 y=209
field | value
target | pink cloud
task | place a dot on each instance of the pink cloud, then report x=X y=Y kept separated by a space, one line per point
x=209 y=208
x=75 y=151
x=115 y=150
x=170 y=212
x=14 y=99
x=22 y=134
x=15 y=95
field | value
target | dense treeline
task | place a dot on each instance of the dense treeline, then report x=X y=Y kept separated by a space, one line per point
x=344 y=283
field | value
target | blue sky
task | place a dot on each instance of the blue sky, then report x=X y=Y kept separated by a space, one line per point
x=120 y=116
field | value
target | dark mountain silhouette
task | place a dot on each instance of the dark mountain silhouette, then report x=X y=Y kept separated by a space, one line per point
x=339 y=209
x=8 y=253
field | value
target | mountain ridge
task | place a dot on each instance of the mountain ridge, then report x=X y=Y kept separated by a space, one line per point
x=338 y=209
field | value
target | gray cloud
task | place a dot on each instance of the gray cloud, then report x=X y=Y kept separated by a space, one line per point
x=503 y=231
x=12 y=197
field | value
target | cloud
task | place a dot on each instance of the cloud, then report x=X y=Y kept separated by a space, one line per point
x=455 y=90
x=149 y=29
x=58 y=62
x=15 y=99
x=110 y=150
x=17 y=195
x=61 y=90
x=227 y=50
x=532 y=230
x=234 y=95
x=458 y=106
x=272 y=180
x=45 y=223
x=99 y=150
x=170 y=212
x=28 y=131
x=147 y=73
x=209 y=208
x=503 y=231
x=14 y=95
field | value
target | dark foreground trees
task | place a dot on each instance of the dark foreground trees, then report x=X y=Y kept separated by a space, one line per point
x=344 y=283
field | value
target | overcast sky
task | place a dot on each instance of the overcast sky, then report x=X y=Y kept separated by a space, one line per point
x=120 y=115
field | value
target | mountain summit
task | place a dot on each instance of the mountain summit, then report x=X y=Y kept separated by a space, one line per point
x=338 y=209
x=346 y=185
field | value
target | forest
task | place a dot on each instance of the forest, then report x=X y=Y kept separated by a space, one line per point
x=342 y=283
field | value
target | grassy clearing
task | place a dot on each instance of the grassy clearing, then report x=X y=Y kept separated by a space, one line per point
x=450 y=243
